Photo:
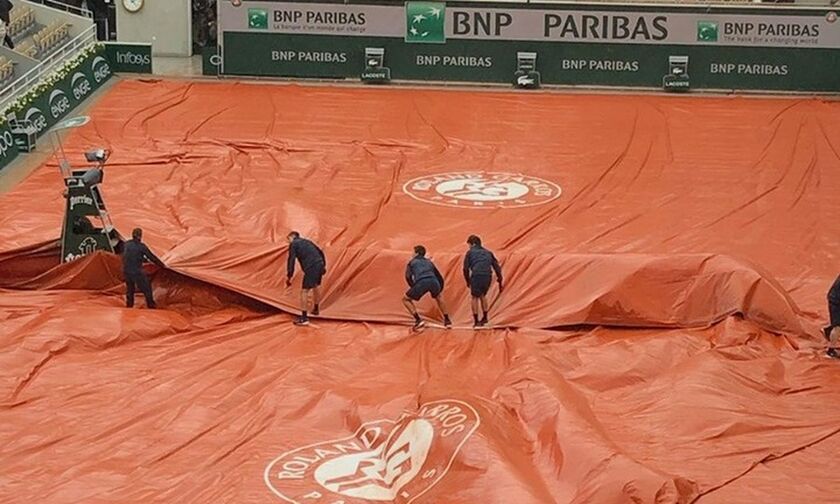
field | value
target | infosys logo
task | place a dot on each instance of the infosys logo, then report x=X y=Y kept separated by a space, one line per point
x=101 y=69
x=59 y=103
x=37 y=118
x=130 y=58
x=81 y=85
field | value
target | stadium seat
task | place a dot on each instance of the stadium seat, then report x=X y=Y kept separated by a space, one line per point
x=49 y=38
x=27 y=48
x=7 y=70
x=22 y=19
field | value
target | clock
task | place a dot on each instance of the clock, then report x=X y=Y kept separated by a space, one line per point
x=133 y=5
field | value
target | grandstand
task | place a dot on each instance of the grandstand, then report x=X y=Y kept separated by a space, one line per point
x=41 y=34
x=7 y=70
x=36 y=40
x=50 y=37
x=22 y=22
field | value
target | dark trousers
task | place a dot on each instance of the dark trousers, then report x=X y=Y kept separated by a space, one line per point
x=141 y=281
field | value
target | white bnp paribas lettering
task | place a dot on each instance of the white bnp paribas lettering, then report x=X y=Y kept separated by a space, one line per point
x=748 y=69
x=454 y=61
x=309 y=56
x=600 y=65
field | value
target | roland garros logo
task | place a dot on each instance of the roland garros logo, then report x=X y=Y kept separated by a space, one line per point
x=383 y=461
x=477 y=189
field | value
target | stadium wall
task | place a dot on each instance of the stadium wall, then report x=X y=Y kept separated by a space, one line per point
x=166 y=24
x=728 y=48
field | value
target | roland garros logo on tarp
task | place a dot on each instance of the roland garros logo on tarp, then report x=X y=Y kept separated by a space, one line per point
x=383 y=461
x=477 y=189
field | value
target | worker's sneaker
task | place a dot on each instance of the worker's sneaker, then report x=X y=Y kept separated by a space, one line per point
x=316 y=310
x=447 y=323
x=833 y=353
x=301 y=321
x=419 y=324
x=478 y=324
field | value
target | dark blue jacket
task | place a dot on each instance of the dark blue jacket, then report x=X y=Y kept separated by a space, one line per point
x=834 y=292
x=310 y=256
x=5 y=7
x=420 y=268
x=479 y=261
x=134 y=253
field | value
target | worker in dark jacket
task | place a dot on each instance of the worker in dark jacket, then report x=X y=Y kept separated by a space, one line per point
x=6 y=20
x=135 y=252
x=479 y=265
x=423 y=277
x=5 y=10
x=832 y=332
x=314 y=265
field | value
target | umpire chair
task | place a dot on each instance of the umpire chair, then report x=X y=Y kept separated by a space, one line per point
x=87 y=224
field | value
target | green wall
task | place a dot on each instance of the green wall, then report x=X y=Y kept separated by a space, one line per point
x=715 y=67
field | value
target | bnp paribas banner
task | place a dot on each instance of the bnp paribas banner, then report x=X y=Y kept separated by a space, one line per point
x=437 y=22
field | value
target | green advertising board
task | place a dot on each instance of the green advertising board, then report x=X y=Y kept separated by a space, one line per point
x=576 y=44
x=210 y=60
x=8 y=151
x=127 y=57
x=55 y=102
x=573 y=64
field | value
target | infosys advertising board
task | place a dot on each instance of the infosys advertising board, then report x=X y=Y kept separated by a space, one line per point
x=435 y=22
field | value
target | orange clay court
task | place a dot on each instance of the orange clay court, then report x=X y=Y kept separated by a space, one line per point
x=658 y=340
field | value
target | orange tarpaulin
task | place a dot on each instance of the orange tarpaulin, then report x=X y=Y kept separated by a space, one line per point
x=666 y=261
